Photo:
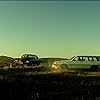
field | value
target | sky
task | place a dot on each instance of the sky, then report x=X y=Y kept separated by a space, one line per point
x=49 y=28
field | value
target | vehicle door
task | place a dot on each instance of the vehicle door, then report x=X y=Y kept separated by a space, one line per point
x=76 y=63
x=87 y=62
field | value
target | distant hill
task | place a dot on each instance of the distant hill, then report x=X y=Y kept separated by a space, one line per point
x=5 y=61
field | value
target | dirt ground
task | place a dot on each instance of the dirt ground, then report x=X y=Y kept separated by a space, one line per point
x=16 y=84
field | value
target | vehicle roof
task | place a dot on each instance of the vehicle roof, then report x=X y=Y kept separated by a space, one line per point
x=29 y=54
x=87 y=56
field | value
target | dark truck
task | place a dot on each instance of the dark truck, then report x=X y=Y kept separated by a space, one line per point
x=30 y=60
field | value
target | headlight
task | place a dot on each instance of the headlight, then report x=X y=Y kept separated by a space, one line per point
x=27 y=61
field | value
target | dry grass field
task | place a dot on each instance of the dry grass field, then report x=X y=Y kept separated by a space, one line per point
x=74 y=85
x=42 y=83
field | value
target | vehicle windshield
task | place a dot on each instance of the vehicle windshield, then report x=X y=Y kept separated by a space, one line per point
x=32 y=56
x=72 y=58
x=29 y=56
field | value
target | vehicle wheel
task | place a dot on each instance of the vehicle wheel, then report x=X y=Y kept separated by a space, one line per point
x=94 y=68
x=64 y=67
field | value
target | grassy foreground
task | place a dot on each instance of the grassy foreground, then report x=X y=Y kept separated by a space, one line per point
x=31 y=84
